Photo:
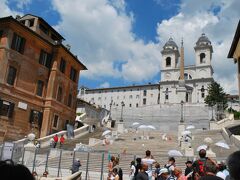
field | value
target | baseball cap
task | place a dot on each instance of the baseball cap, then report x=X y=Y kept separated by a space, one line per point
x=163 y=170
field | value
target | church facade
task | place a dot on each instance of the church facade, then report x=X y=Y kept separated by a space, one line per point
x=179 y=83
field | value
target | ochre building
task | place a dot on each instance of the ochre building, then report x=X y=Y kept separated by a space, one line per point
x=38 y=78
x=234 y=53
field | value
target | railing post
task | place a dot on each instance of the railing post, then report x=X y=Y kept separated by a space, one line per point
x=134 y=157
x=46 y=164
x=34 y=159
x=2 y=151
x=101 y=178
x=59 y=163
x=23 y=154
x=87 y=165
x=12 y=152
x=74 y=154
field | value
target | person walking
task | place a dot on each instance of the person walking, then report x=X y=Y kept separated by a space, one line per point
x=157 y=171
x=138 y=166
x=178 y=174
x=189 y=169
x=132 y=170
x=142 y=175
x=62 y=139
x=170 y=165
x=55 y=139
x=149 y=160
x=199 y=166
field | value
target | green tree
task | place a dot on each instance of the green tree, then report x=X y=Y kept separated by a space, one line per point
x=216 y=96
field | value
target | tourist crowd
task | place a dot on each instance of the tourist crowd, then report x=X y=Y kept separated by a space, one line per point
x=204 y=168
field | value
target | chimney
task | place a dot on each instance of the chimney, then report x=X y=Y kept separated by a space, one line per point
x=18 y=17
x=68 y=47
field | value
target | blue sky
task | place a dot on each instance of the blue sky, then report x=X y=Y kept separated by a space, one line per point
x=120 y=40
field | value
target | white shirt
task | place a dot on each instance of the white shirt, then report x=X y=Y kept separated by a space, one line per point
x=133 y=170
x=149 y=161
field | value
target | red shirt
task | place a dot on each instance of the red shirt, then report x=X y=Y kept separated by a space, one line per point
x=55 y=138
x=62 y=139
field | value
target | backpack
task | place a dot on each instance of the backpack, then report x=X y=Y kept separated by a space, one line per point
x=201 y=167
x=169 y=170
x=120 y=174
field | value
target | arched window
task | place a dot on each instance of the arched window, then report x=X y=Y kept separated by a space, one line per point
x=168 y=61
x=202 y=58
x=202 y=92
x=166 y=94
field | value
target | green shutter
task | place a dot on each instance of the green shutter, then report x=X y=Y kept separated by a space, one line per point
x=40 y=118
x=41 y=57
x=49 y=61
x=31 y=116
x=13 y=45
x=23 y=41
x=11 y=109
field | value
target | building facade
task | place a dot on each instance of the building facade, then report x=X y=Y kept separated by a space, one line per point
x=38 y=78
x=191 y=89
x=234 y=53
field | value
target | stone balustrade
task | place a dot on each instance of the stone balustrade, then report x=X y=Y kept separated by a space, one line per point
x=214 y=125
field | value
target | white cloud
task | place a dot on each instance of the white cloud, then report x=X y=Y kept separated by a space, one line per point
x=22 y=3
x=100 y=31
x=5 y=10
x=104 y=85
x=218 y=20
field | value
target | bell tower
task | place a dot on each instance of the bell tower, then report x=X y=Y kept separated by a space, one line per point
x=170 y=55
x=203 y=51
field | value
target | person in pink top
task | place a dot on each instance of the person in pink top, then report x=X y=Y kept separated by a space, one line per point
x=178 y=174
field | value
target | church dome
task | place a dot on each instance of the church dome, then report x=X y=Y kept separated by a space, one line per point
x=170 y=44
x=203 y=40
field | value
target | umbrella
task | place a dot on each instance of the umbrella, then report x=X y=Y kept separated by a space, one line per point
x=190 y=127
x=174 y=153
x=222 y=144
x=186 y=133
x=106 y=132
x=151 y=127
x=135 y=123
x=143 y=127
x=203 y=146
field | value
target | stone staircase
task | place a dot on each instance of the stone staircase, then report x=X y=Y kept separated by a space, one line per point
x=127 y=147
x=165 y=117
x=70 y=143
x=216 y=136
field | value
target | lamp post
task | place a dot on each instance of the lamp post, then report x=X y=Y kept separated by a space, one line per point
x=212 y=119
x=181 y=120
x=110 y=114
x=122 y=103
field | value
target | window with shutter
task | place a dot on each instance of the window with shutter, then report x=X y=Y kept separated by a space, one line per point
x=59 y=94
x=40 y=86
x=73 y=74
x=18 y=43
x=55 y=121
x=11 y=110
x=12 y=71
x=40 y=118
x=36 y=117
x=69 y=100
x=62 y=66
x=45 y=59
x=6 y=108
